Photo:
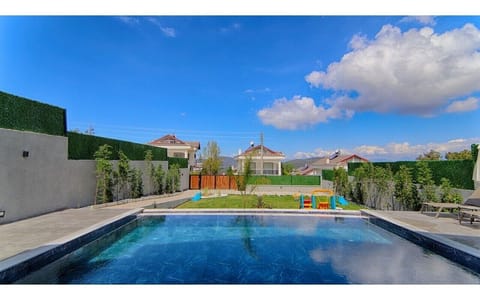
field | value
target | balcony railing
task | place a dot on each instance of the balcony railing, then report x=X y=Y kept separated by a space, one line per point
x=265 y=172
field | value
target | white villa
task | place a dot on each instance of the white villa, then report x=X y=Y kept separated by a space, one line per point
x=178 y=148
x=272 y=160
x=330 y=163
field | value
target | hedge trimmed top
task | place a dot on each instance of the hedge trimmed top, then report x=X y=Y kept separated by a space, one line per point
x=82 y=146
x=28 y=115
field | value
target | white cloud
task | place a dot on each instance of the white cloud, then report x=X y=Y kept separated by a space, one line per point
x=299 y=112
x=370 y=150
x=260 y=91
x=407 y=151
x=230 y=28
x=424 y=20
x=463 y=105
x=396 y=151
x=358 y=42
x=128 y=20
x=416 y=72
x=167 y=31
x=319 y=152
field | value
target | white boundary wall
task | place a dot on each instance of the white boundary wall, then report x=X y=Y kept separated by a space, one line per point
x=46 y=180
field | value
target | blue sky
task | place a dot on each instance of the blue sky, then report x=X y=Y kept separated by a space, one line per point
x=383 y=87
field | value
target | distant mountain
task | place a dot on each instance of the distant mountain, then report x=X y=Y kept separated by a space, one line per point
x=298 y=163
x=226 y=162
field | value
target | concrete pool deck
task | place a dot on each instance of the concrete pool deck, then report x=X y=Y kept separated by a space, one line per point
x=33 y=234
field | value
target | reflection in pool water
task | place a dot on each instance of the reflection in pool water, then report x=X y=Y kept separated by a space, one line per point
x=252 y=249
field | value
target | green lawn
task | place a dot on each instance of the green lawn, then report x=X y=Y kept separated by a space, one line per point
x=250 y=201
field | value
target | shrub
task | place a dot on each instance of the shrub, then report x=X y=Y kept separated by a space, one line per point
x=459 y=172
x=448 y=195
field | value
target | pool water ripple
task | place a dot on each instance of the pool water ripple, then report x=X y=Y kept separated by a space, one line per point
x=221 y=249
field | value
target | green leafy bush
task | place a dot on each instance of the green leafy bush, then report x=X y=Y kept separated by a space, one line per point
x=458 y=172
x=27 y=115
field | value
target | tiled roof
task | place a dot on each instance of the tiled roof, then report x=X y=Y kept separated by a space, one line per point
x=266 y=151
x=337 y=160
x=169 y=139
x=194 y=144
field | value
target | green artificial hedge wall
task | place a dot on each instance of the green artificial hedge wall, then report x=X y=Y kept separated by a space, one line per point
x=285 y=180
x=327 y=175
x=474 y=152
x=27 y=115
x=83 y=146
x=459 y=172
x=182 y=162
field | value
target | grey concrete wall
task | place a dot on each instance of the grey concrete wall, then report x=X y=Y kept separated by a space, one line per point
x=46 y=180
x=184 y=179
x=35 y=184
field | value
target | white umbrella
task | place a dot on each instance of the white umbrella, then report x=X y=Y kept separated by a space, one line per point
x=476 y=170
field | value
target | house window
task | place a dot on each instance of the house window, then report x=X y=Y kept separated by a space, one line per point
x=268 y=166
x=179 y=154
x=253 y=167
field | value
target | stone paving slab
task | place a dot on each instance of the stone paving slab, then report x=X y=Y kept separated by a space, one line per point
x=32 y=233
x=446 y=225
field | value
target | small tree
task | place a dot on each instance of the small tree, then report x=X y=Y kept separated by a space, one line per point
x=383 y=195
x=172 y=181
x=425 y=180
x=405 y=189
x=123 y=174
x=103 y=190
x=159 y=180
x=340 y=182
x=150 y=169
x=242 y=179
x=432 y=155
x=212 y=162
x=373 y=187
x=287 y=168
x=448 y=194
x=465 y=154
x=136 y=183
x=230 y=171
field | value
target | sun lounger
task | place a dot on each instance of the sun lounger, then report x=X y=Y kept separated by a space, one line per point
x=439 y=207
x=470 y=209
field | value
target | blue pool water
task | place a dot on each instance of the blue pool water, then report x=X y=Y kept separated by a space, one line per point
x=217 y=249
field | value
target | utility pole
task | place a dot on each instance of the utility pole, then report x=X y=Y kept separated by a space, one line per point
x=261 y=153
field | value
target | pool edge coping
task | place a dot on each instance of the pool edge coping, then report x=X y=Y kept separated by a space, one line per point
x=449 y=249
x=18 y=265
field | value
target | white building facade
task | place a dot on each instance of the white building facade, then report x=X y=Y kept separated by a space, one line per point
x=264 y=161
x=178 y=148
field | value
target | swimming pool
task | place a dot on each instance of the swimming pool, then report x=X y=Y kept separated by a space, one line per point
x=235 y=249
